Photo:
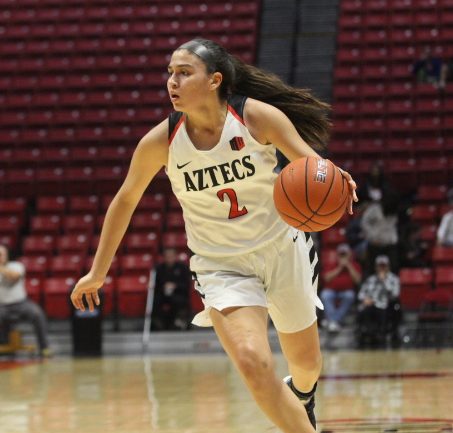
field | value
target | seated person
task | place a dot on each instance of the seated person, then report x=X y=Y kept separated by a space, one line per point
x=445 y=230
x=377 y=296
x=14 y=303
x=340 y=281
x=171 y=307
x=428 y=68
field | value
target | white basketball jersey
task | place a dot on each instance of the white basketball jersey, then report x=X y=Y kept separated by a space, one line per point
x=226 y=193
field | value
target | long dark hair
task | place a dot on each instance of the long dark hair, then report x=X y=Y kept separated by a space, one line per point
x=307 y=113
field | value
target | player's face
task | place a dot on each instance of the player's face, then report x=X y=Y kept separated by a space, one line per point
x=188 y=81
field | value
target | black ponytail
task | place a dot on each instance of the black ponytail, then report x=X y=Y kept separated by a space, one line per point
x=308 y=114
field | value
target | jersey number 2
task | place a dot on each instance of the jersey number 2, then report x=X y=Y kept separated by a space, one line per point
x=234 y=209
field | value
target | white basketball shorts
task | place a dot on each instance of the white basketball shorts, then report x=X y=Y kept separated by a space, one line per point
x=281 y=276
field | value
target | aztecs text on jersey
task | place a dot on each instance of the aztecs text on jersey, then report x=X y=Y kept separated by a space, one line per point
x=226 y=193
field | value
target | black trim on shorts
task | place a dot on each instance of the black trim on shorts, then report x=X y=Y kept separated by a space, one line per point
x=197 y=285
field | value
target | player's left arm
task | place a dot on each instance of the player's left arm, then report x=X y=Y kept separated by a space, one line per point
x=268 y=124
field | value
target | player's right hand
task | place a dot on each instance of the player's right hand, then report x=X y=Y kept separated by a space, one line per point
x=88 y=286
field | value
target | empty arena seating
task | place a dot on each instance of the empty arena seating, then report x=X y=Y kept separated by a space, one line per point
x=375 y=95
x=415 y=282
x=80 y=84
x=380 y=113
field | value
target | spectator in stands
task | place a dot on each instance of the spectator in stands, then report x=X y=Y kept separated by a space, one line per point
x=445 y=229
x=413 y=249
x=340 y=281
x=446 y=74
x=380 y=227
x=14 y=305
x=356 y=236
x=378 y=298
x=428 y=68
x=375 y=184
x=171 y=295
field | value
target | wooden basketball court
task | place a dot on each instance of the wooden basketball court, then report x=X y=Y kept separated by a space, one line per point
x=375 y=391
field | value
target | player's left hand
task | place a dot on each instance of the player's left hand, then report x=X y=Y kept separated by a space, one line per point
x=352 y=190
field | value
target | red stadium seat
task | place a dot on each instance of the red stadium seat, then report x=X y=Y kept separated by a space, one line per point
x=73 y=243
x=84 y=155
x=13 y=206
x=442 y=256
x=444 y=208
x=81 y=224
x=35 y=266
x=136 y=264
x=84 y=204
x=10 y=224
x=142 y=244
x=45 y=224
x=114 y=267
x=21 y=181
x=177 y=240
x=403 y=147
x=132 y=293
x=428 y=233
x=415 y=282
x=109 y=179
x=424 y=213
x=433 y=170
x=432 y=193
x=429 y=146
x=56 y=300
x=50 y=181
x=78 y=180
x=147 y=222
x=51 y=205
x=444 y=278
x=27 y=158
x=175 y=221
x=152 y=202
x=38 y=245
x=66 y=265
x=10 y=241
x=333 y=237
x=33 y=286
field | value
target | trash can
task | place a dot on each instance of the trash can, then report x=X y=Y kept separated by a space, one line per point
x=87 y=332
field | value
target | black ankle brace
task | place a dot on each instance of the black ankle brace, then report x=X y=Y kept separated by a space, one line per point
x=304 y=396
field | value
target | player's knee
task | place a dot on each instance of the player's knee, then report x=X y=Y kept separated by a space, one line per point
x=311 y=362
x=255 y=366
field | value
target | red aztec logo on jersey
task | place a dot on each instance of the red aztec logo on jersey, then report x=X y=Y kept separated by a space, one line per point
x=237 y=143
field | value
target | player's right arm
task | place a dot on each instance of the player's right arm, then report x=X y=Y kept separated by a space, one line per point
x=149 y=157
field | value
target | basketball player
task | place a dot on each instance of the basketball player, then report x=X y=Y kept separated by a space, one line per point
x=219 y=150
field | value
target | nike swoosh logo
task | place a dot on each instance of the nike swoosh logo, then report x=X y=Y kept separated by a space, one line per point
x=183 y=165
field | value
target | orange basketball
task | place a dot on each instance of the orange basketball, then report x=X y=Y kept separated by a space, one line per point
x=311 y=194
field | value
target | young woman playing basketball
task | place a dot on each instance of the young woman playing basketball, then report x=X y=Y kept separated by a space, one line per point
x=219 y=152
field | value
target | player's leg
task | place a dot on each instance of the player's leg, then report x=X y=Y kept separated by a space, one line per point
x=243 y=334
x=302 y=351
x=292 y=299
